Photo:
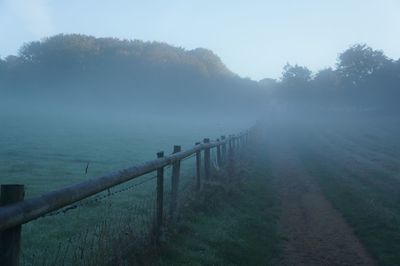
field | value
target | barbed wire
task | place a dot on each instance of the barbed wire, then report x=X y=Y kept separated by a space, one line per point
x=104 y=196
x=97 y=198
x=187 y=158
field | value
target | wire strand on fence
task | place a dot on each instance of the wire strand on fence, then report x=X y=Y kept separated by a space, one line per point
x=187 y=158
x=97 y=198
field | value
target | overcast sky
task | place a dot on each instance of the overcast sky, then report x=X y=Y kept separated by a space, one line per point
x=254 y=38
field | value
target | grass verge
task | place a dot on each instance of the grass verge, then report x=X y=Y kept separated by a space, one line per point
x=228 y=224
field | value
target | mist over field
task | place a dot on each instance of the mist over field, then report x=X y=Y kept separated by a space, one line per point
x=107 y=79
x=73 y=99
x=83 y=72
x=311 y=176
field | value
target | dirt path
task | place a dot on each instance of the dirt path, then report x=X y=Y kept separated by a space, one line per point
x=316 y=233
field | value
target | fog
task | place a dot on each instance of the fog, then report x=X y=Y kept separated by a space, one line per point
x=71 y=100
x=79 y=83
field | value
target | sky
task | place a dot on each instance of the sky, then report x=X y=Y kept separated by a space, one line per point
x=254 y=39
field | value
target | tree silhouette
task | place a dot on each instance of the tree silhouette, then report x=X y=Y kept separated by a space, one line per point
x=295 y=74
x=358 y=62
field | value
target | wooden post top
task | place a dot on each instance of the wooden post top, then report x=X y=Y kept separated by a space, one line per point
x=177 y=148
x=11 y=193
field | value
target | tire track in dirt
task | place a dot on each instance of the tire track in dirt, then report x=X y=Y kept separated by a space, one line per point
x=316 y=233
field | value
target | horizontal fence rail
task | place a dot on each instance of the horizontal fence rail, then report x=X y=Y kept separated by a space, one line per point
x=14 y=214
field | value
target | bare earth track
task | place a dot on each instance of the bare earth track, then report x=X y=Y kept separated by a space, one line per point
x=315 y=232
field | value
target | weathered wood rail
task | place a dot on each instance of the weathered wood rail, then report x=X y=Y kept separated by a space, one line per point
x=15 y=211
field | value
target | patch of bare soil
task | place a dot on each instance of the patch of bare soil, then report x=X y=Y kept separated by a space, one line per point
x=315 y=232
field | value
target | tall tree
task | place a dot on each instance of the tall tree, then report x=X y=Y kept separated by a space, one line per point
x=358 y=62
x=296 y=74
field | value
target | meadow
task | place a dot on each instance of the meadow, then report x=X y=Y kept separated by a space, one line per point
x=356 y=164
x=353 y=164
x=47 y=152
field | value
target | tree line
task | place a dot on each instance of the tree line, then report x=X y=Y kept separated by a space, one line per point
x=108 y=71
x=73 y=67
x=363 y=80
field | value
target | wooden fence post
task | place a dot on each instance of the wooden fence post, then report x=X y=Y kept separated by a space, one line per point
x=160 y=199
x=175 y=185
x=10 y=239
x=207 y=157
x=219 y=159
x=198 y=167
x=234 y=144
x=223 y=149
x=230 y=158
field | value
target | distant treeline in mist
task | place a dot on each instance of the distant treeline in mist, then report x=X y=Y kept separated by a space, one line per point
x=364 y=80
x=79 y=70
x=146 y=76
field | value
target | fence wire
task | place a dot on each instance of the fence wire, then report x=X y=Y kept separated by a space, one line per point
x=97 y=198
x=98 y=226
x=104 y=228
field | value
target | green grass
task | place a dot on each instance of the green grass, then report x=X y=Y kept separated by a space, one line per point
x=235 y=225
x=49 y=153
x=46 y=153
x=368 y=198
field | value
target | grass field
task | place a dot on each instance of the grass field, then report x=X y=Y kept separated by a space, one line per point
x=360 y=174
x=356 y=163
x=233 y=224
x=357 y=166
x=48 y=153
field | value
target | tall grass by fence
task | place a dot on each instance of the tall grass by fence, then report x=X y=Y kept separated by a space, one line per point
x=155 y=214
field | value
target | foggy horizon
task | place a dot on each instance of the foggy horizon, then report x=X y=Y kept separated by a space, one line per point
x=199 y=133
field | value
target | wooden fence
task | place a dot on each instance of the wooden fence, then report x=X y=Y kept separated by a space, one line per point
x=15 y=211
